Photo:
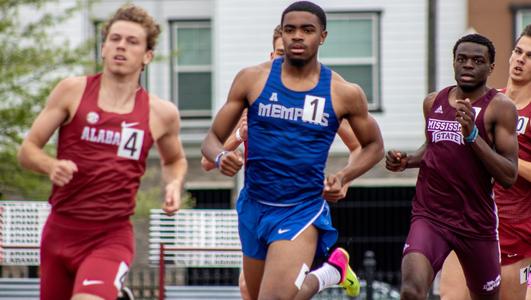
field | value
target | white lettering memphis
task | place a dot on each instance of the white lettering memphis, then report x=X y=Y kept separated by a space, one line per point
x=101 y=136
x=443 y=130
x=278 y=111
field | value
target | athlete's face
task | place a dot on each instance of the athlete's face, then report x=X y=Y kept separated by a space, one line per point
x=278 y=50
x=520 y=61
x=302 y=34
x=125 y=48
x=472 y=66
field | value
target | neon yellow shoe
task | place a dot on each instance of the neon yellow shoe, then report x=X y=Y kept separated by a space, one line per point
x=349 y=281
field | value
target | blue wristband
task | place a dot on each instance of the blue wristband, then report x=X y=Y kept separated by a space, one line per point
x=473 y=135
x=218 y=158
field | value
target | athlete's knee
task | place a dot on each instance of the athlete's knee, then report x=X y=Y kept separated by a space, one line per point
x=277 y=294
x=410 y=291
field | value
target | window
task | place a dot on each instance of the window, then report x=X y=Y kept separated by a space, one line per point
x=98 y=24
x=523 y=18
x=191 y=58
x=352 y=50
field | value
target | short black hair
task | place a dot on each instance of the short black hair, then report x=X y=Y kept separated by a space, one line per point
x=308 y=7
x=477 y=39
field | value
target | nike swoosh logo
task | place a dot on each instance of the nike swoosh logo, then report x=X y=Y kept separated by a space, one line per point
x=281 y=231
x=511 y=255
x=91 y=282
x=125 y=124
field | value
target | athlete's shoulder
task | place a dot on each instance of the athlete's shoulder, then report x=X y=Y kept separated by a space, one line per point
x=72 y=84
x=163 y=109
x=67 y=92
x=501 y=104
x=250 y=73
x=502 y=97
x=342 y=87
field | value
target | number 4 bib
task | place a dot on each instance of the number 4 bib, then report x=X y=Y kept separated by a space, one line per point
x=131 y=143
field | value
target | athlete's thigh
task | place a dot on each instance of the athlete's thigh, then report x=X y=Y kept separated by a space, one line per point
x=57 y=281
x=100 y=277
x=453 y=284
x=286 y=265
x=528 y=294
x=514 y=284
x=253 y=270
x=480 y=260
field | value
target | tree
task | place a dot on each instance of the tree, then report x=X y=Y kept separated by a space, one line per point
x=32 y=60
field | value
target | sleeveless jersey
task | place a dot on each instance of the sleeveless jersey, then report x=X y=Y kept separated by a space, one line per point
x=110 y=151
x=290 y=134
x=454 y=189
x=514 y=204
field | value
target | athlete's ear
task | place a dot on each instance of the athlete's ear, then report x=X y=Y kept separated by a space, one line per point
x=491 y=68
x=324 y=34
x=148 y=57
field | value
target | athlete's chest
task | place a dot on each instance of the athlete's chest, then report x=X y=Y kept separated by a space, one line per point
x=126 y=135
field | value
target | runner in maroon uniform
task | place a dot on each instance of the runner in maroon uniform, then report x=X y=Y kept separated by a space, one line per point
x=470 y=139
x=514 y=204
x=107 y=124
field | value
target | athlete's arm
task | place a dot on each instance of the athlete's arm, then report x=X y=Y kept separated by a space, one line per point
x=349 y=139
x=56 y=112
x=230 y=162
x=172 y=159
x=237 y=137
x=502 y=161
x=353 y=105
x=398 y=161
x=524 y=169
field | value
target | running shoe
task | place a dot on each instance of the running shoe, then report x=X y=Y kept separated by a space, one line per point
x=349 y=281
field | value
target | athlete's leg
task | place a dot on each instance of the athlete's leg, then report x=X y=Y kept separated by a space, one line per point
x=335 y=271
x=57 y=281
x=528 y=295
x=417 y=276
x=453 y=284
x=480 y=260
x=244 y=292
x=101 y=277
x=253 y=270
x=512 y=286
x=424 y=253
x=287 y=264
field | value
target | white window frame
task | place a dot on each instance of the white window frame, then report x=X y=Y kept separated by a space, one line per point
x=175 y=68
x=518 y=22
x=374 y=60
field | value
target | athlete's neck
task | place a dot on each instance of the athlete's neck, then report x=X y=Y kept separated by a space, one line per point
x=301 y=77
x=117 y=93
x=473 y=95
x=519 y=92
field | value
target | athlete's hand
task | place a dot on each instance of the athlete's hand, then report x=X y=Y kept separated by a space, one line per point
x=231 y=163
x=62 y=172
x=172 y=199
x=464 y=114
x=396 y=161
x=206 y=164
x=334 y=190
